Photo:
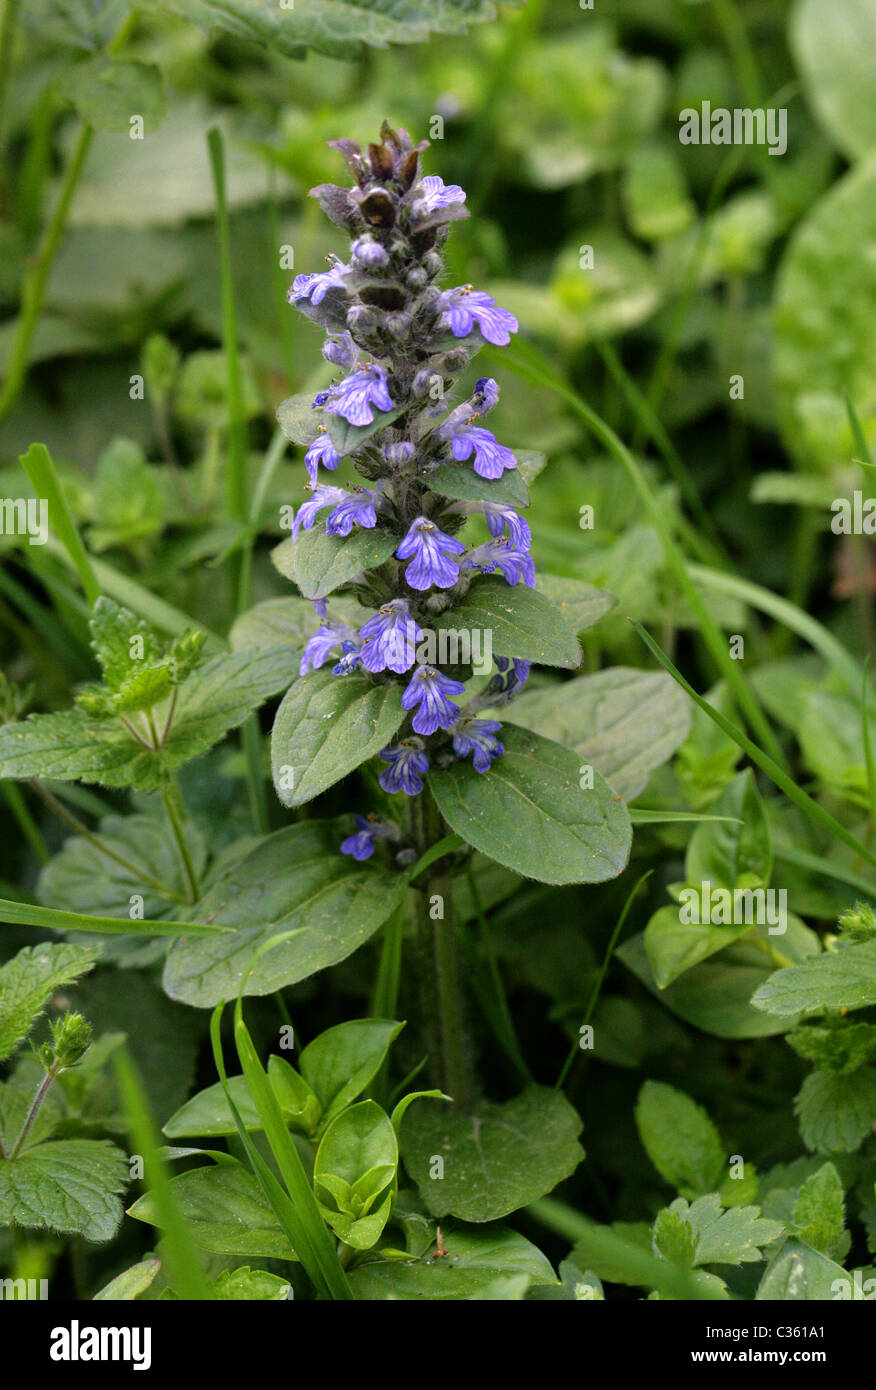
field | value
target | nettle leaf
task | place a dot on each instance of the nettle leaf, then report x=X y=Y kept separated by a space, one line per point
x=521 y=621
x=720 y=1237
x=840 y=979
x=530 y=813
x=225 y=1211
x=107 y=93
x=29 y=980
x=800 y=1274
x=343 y=1060
x=680 y=1139
x=289 y=622
x=819 y=1212
x=337 y=28
x=459 y=480
x=625 y=722
x=732 y=854
x=318 y=563
x=67 y=1185
x=473 y=1261
x=836 y=1113
x=325 y=727
x=295 y=878
x=75 y=746
x=495 y=1160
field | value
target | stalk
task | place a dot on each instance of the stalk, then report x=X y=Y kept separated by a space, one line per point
x=173 y=806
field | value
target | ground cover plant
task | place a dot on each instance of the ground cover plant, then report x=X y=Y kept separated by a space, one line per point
x=437 y=781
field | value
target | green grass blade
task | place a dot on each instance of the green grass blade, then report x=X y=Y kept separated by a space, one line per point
x=37 y=464
x=816 y=864
x=186 y=1274
x=26 y=915
x=868 y=746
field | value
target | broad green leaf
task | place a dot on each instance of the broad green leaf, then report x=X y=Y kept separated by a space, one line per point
x=800 y=1274
x=495 y=1160
x=824 y=295
x=319 y=563
x=68 y=1185
x=530 y=813
x=86 y=24
x=833 y=50
x=836 y=1113
x=474 y=1259
x=840 y=979
x=680 y=1139
x=624 y=722
x=249 y=1285
x=460 y=480
x=829 y=727
x=343 y=1060
x=731 y=855
x=226 y=1212
x=361 y=1150
x=731 y=1237
x=128 y=1286
x=655 y=192
x=521 y=622
x=337 y=28
x=819 y=1211
x=207 y=1114
x=299 y=419
x=107 y=93
x=28 y=981
x=288 y=622
x=294 y=878
x=325 y=727
x=674 y=947
x=580 y=604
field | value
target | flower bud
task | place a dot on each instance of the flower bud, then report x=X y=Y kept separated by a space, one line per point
x=71 y=1039
x=368 y=254
x=416 y=279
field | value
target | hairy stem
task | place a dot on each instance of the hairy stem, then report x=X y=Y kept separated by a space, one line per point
x=33 y=1111
x=173 y=806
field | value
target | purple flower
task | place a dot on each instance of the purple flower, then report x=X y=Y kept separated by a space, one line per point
x=429 y=688
x=318 y=646
x=323 y=496
x=408 y=765
x=513 y=673
x=433 y=194
x=486 y=395
x=397 y=455
x=350 y=660
x=499 y=516
x=514 y=564
x=322 y=451
x=477 y=736
x=320 y=608
x=319 y=399
x=491 y=458
x=463 y=307
x=390 y=638
x=429 y=546
x=354 y=397
x=340 y=350
x=359 y=506
x=314 y=288
x=368 y=829
x=368 y=254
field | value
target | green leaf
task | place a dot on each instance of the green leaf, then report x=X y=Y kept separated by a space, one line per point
x=495 y=1160
x=836 y=1113
x=833 y=62
x=840 y=979
x=299 y=419
x=674 y=947
x=325 y=727
x=359 y=1148
x=107 y=93
x=347 y=438
x=819 y=1212
x=580 y=604
x=129 y=500
x=473 y=1261
x=128 y=1286
x=338 y=901
x=680 y=1139
x=28 y=981
x=529 y=813
x=249 y=1285
x=288 y=622
x=625 y=722
x=68 y=1185
x=522 y=622
x=731 y=1237
x=208 y=1115
x=226 y=1212
x=343 y=1060
x=318 y=563
x=830 y=731
x=459 y=480
x=732 y=855
x=337 y=28
x=800 y=1274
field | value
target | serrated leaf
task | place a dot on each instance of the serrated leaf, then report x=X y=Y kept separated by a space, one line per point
x=318 y=563
x=474 y=1259
x=625 y=722
x=529 y=813
x=731 y=1237
x=842 y=979
x=680 y=1139
x=819 y=1211
x=28 y=981
x=836 y=1113
x=67 y=1185
x=522 y=622
x=226 y=1212
x=497 y=1159
x=338 y=901
x=107 y=93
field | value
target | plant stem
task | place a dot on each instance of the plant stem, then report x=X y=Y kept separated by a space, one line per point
x=27 y=824
x=33 y=1111
x=173 y=806
x=8 y=25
